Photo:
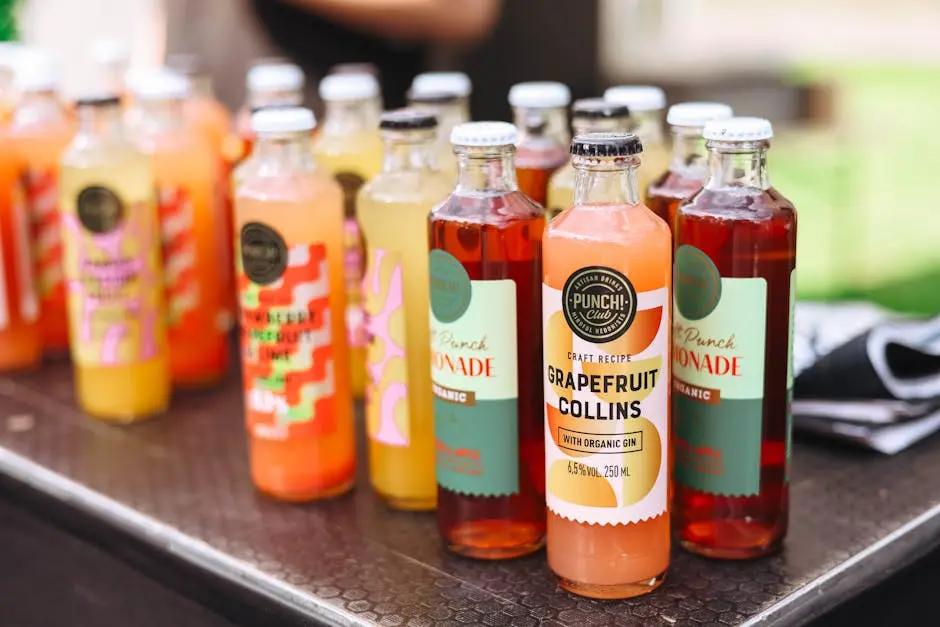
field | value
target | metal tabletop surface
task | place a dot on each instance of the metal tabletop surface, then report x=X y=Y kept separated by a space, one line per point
x=181 y=484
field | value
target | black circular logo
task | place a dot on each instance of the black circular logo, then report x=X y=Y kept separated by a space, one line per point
x=599 y=304
x=99 y=209
x=264 y=253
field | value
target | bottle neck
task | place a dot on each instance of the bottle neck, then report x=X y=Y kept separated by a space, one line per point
x=449 y=114
x=261 y=99
x=554 y=121
x=605 y=181
x=408 y=150
x=102 y=121
x=737 y=164
x=347 y=117
x=689 y=155
x=583 y=126
x=39 y=105
x=486 y=169
x=161 y=115
x=282 y=153
x=648 y=126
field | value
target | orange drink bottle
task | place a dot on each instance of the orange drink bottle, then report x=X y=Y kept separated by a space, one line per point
x=40 y=130
x=447 y=94
x=113 y=269
x=606 y=296
x=393 y=211
x=688 y=167
x=540 y=110
x=588 y=115
x=185 y=168
x=274 y=83
x=292 y=296
x=647 y=105
x=349 y=147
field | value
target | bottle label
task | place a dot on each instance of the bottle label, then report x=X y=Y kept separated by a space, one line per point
x=718 y=376
x=387 y=418
x=112 y=269
x=287 y=341
x=474 y=377
x=178 y=244
x=29 y=303
x=606 y=398
x=354 y=253
x=41 y=196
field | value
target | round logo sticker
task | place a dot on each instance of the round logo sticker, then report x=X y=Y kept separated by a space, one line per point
x=599 y=304
x=450 y=286
x=99 y=209
x=697 y=283
x=264 y=253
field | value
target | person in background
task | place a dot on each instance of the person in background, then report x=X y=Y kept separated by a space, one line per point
x=394 y=35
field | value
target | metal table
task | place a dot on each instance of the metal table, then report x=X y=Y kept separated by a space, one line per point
x=181 y=484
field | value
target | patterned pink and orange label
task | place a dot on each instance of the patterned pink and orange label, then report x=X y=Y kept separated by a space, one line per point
x=178 y=244
x=41 y=197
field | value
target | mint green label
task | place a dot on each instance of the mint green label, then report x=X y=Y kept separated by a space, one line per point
x=474 y=375
x=718 y=377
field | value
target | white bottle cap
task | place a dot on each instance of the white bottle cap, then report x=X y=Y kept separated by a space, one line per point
x=637 y=97
x=159 y=83
x=538 y=95
x=697 y=114
x=484 y=134
x=349 y=87
x=11 y=54
x=275 y=77
x=438 y=83
x=36 y=71
x=739 y=130
x=283 y=120
x=110 y=52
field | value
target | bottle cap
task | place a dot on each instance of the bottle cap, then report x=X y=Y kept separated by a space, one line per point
x=349 y=87
x=274 y=77
x=355 y=68
x=697 y=113
x=36 y=71
x=637 y=97
x=606 y=145
x=431 y=98
x=408 y=119
x=484 y=134
x=537 y=95
x=283 y=120
x=110 y=52
x=738 y=130
x=453 y=83
x=597 y=109
x=159 y=83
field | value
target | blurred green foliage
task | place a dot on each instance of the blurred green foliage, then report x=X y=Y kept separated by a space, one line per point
x=8 y=10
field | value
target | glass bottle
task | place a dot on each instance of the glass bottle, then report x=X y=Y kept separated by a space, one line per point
x=688 y=168
x=540 y=110
x=349 y=147
x=292 y=297
x=273 y=83
x=393 y=211
x=588 y=115
x=732 y=350
x=447 y=94
x=368 y=69
x=485 y=269
x=606 y=295
x=186 y=172
x=39 y=132
x=113 y=268
x=646 y=110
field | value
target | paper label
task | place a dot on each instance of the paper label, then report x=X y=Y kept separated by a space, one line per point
x=41 y=196
x=178 y=243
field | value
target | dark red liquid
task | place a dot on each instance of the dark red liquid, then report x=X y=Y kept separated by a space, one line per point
x=746 y=235
x=668 y=192
x=501 y=238
x=535 y=165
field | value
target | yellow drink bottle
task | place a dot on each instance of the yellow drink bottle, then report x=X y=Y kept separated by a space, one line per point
x=447 y=94
x=348 y=147
x=113 y=269
x=393 y=210
x=647 y=105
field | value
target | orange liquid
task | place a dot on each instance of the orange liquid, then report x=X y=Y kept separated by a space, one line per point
x=315 y=458
x=617 y=560
x=39 y=149
x=20 y=336
x=186 y=171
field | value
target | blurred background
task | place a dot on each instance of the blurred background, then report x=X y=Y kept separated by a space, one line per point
x=851 y=86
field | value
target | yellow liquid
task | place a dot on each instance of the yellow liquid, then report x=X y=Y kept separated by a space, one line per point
x=393 y=211
x=653 y=162
x=358 y=154
x=131 y=389
x=560 y=191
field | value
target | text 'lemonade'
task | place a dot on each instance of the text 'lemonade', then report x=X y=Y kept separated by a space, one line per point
x=393 y=211
x=485 y=270
x=606 y=304
x=292 y=299
x=540 y=113
x=732 y=350
x=646 y=112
